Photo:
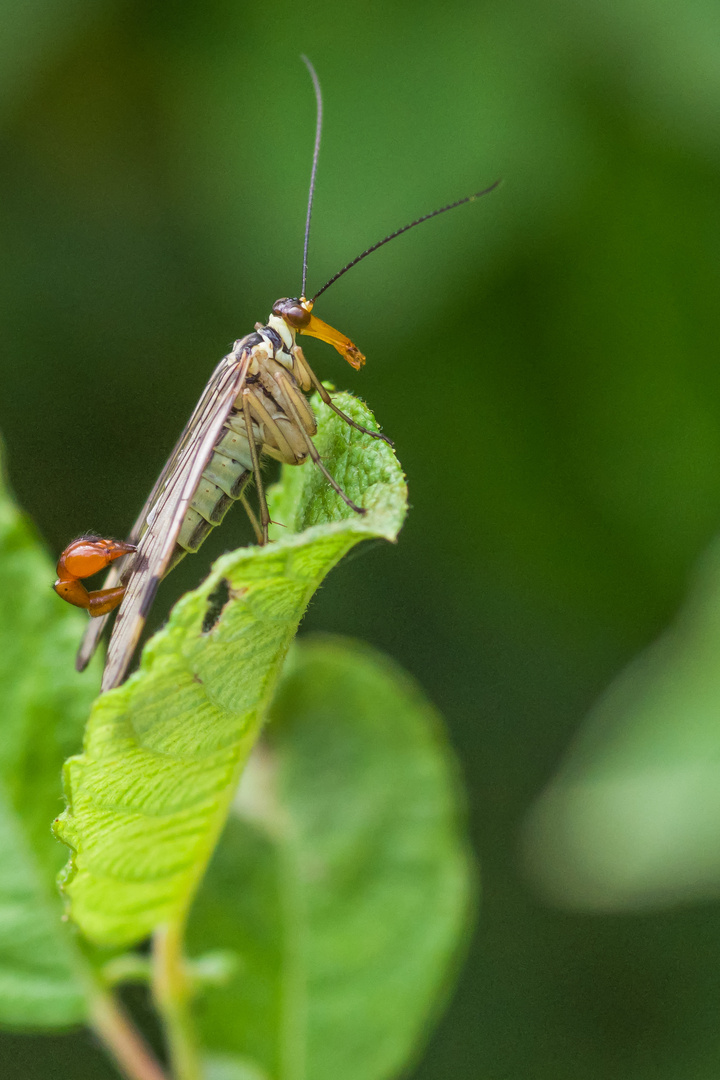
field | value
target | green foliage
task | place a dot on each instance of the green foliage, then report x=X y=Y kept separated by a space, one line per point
x=547 y=361
x=331 y=915
x=342 y=877
x=163 y=753
x=43 y=703
x=633 y=817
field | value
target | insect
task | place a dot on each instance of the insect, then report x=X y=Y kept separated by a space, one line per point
x=254 y=405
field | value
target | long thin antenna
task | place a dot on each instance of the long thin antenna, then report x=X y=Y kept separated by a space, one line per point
x=316 y=153
x=399 y=232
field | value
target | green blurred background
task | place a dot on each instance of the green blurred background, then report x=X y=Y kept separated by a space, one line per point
x=545 y=360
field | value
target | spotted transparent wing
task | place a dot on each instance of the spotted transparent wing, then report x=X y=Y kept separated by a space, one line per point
x=157 y=528
x=95 y=628
x=156 y=545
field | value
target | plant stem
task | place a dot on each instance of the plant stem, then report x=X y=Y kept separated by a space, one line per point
x=121 y=1038
x=172 y=991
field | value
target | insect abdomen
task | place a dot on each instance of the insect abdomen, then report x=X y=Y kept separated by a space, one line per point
x=223 y=481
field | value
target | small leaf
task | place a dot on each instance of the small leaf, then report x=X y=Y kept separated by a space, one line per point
x=633 y=817
x=43 y=704
x=221 y=1067
x=344 y=886
x=163 y=753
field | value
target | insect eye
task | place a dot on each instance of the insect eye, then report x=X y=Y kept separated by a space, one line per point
x=293 y=312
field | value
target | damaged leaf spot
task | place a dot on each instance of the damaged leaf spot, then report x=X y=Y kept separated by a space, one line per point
x=216 y=601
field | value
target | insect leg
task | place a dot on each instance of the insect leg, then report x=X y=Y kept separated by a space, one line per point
x=325 y=395
x=312 y=449
x=253 y=520
x=255 y=458
x=265 y=418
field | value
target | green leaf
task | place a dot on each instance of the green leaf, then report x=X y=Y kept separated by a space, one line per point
x=163 y=753
x=43 y=704
x=633 y=817
x=221 y=1067
x=343 y=879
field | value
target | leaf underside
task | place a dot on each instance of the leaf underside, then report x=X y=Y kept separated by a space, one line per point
x=342 y=880
x=43 y=704
x=163 y=753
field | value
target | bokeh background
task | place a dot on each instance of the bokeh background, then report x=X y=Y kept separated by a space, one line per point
x=545 y=360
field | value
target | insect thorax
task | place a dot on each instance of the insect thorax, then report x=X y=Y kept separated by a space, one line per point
x=270 y=410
